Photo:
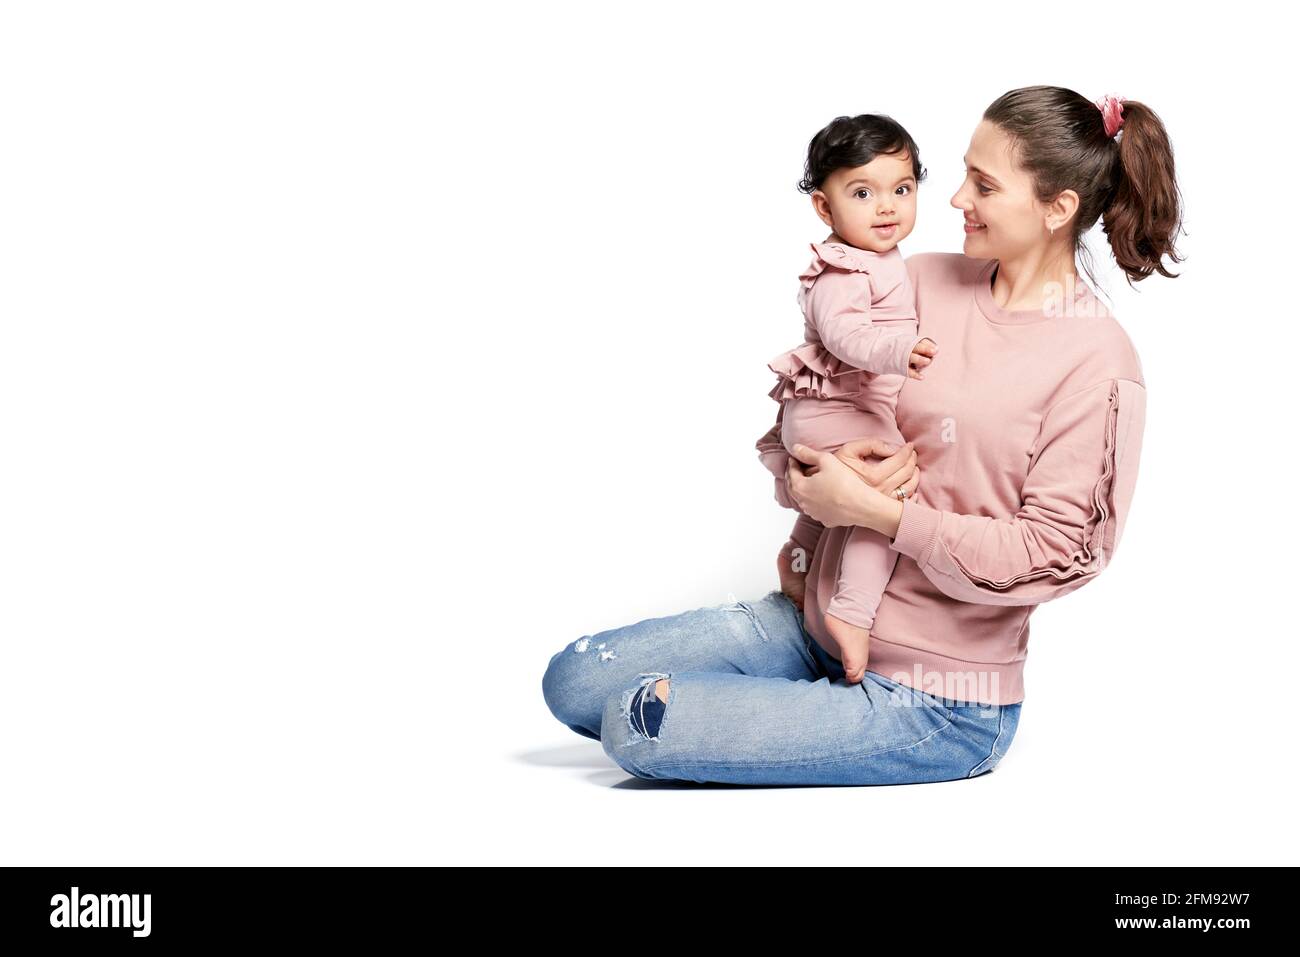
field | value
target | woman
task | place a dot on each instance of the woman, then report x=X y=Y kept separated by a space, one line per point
x=1029 y=422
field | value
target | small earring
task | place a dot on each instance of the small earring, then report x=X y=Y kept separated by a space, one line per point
x=1051 y=230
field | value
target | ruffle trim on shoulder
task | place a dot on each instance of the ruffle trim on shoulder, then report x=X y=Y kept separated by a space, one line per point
x=812 y=371
x=832 y=254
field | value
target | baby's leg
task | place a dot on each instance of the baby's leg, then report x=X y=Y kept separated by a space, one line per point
x=820 y=424
x=865 y=566
x=772 y=453
x=867 y=560
x=825 y=424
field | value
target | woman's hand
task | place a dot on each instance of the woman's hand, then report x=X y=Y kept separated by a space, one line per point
x=897 y=467
x=833 y=492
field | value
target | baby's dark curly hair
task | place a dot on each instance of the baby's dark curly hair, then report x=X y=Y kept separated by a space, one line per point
x=854 y=141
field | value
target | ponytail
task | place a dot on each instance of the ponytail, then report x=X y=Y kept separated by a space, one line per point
x=1144 y=215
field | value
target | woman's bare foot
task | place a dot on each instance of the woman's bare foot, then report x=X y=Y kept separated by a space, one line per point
x=853 y=641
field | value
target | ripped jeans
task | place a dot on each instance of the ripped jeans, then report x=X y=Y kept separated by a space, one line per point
x=753 y=699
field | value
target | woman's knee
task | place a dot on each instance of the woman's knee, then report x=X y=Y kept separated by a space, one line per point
x=626 y=728
x=557 y=684
x=574 y=695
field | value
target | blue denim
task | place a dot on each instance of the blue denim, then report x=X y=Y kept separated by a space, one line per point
x=753 y=699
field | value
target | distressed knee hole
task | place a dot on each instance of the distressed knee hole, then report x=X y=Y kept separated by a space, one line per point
x=647 y=707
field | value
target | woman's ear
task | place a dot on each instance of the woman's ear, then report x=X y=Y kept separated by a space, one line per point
x=1061 y=210
x=822 y=207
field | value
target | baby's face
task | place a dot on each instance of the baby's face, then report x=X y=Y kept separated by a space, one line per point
x=857 y=202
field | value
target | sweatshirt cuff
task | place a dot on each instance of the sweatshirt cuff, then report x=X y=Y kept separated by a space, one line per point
x=918 y=530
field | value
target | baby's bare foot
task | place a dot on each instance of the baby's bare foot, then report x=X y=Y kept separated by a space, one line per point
x=793 y=583
x=854 y=641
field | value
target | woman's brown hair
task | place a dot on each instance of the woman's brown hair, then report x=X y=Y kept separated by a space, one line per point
x=1127 y=180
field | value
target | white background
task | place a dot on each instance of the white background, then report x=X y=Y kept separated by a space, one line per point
x=357 y=357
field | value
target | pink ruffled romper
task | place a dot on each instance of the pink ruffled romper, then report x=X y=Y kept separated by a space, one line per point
x=842 y=384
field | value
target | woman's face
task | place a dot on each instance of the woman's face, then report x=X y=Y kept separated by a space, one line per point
x=998 y=196
x=857 y=202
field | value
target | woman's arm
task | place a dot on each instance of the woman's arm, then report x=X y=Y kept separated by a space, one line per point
x=1074 y=503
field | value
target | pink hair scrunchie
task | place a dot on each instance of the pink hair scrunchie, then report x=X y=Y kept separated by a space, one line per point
x=1112 y=112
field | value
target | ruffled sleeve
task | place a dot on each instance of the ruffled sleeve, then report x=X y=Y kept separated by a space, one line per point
x=836 y=293
x=837 y=255
x=1075 y=501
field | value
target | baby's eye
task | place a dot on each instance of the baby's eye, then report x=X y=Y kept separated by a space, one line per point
x=859 y=193
x=906 y=187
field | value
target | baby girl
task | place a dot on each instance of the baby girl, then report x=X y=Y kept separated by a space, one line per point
x=860 y=341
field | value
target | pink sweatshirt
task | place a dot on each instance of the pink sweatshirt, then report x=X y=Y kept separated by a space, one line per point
x=1028 y=432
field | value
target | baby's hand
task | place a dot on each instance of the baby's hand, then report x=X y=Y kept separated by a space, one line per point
x=920 y=358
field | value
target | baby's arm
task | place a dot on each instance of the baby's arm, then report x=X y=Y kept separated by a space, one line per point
x=840 y=305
